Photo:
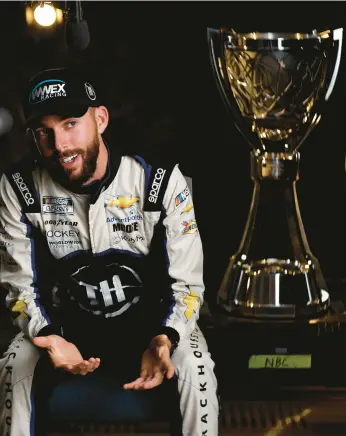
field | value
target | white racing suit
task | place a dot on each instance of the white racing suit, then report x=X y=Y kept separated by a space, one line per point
x=89 y=250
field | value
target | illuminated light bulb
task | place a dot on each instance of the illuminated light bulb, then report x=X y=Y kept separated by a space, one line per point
x=45 y=15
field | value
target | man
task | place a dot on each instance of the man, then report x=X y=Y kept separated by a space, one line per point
x=79 y=223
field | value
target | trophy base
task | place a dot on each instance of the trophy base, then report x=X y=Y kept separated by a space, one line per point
x=284 y=312
x=273 y=289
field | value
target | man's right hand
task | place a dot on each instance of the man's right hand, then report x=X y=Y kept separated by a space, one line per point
x=66 y=355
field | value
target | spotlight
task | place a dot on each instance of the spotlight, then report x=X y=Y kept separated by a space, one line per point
x=43 y=14
x=45 y=19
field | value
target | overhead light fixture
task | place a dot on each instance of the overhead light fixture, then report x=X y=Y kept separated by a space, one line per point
x=45 y=14
x=45 y=19
x=42 y=13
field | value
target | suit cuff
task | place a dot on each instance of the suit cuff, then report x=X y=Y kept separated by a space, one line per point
x=50 y=329
x=172 y=335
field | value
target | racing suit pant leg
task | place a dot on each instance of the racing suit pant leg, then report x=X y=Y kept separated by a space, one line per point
x=17 y=366
x=197 y=386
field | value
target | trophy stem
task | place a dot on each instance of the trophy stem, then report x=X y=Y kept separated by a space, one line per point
x=274 y=274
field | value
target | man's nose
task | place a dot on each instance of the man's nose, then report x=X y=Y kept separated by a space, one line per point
x=60 y=142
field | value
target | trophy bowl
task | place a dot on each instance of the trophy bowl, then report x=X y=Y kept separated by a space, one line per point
x=275 y=85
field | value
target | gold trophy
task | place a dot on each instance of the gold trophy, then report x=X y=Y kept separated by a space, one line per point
x=275 y=85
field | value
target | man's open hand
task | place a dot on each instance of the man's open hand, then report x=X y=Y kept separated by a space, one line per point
x=156 y=365
x=66 y=355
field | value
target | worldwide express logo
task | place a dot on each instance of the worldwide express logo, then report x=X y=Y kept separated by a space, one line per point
x=47 y=89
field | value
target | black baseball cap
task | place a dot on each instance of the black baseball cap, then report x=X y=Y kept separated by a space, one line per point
x=59 y=91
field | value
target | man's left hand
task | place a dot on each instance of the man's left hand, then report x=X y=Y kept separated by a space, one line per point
x=156 y=365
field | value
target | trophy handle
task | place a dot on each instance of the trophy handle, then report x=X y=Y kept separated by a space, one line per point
x=337 y=36
x=214 y=37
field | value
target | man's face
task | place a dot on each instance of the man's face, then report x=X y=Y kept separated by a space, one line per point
x=69 y=147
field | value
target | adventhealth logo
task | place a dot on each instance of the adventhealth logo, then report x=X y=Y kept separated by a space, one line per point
x=46 y=89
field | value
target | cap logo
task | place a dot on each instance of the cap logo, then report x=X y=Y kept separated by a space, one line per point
x=46 y=90
x=90 y=91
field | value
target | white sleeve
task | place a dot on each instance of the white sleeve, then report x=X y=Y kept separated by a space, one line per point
x=185 y=256
x=18 y=264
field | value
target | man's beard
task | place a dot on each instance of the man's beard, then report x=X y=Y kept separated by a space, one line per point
x=67 y=177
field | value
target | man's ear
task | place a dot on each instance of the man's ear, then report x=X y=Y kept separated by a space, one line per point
x=102 y=118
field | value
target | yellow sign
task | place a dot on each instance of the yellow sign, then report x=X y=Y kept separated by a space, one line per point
x=280 y=361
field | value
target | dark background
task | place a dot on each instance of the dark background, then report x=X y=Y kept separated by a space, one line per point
x=150 y=62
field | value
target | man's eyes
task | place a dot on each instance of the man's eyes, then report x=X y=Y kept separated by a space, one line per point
x=71 y=123
x=44 y=132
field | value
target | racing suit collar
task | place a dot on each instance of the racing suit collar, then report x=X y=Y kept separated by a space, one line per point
x=97 y=187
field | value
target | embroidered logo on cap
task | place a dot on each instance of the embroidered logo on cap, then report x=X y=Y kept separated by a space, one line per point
x=90 y=91
x=47 y=89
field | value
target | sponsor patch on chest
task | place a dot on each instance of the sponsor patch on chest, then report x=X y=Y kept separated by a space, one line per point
x=57 y=205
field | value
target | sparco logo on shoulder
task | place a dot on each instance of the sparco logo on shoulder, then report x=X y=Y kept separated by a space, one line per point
x=156 y=185
x=23 y=188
